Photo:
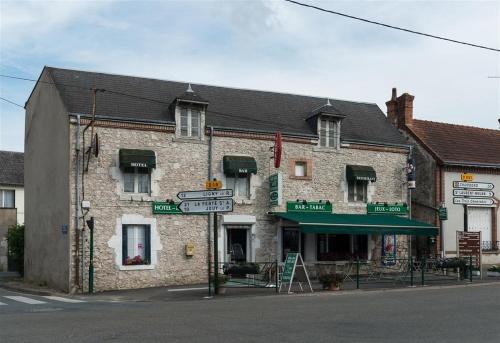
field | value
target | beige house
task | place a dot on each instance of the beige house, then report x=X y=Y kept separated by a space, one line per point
x=152 y=139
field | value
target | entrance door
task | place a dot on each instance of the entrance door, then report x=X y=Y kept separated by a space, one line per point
x=479 y=219
x=237 y=244
x=293 y=241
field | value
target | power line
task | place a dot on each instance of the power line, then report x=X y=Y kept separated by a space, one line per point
x=11 y=102
x=391 y=26
x=227 y=115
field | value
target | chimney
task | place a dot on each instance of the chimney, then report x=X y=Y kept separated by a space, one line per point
x=400 y=109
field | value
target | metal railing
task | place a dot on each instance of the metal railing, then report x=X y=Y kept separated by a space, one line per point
x=490 y=245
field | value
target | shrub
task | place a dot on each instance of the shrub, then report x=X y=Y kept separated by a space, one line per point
x=331 y=279
x=15 y=239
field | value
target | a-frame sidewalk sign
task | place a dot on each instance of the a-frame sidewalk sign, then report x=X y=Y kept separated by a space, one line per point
x=293 y=261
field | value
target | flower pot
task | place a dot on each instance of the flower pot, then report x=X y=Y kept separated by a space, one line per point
x=334 y=287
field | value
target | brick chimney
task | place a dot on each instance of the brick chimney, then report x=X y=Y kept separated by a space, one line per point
x=400 y=109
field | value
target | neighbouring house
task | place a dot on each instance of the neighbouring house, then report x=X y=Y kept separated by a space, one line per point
x=11 y=198
x=151 y=139
x=457 y=168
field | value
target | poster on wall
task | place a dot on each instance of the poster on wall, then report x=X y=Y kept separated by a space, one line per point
x=389 y=250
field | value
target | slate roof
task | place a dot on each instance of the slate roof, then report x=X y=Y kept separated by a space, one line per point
x=11 y=168
x=459 y=144
x=228 y=107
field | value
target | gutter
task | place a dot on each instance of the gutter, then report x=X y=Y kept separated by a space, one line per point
x=125 y=119
x=374 y=143
x=470 y=164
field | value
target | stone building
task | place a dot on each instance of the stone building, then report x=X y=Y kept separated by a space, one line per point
x=11 y=199
x=457 y=168
x=152 y=139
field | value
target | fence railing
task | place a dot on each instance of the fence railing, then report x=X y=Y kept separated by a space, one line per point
x=490 y=245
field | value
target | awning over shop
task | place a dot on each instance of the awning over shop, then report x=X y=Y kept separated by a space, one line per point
x=137 y=158
x=239 y=165
x=360 y=173
x=358 y=224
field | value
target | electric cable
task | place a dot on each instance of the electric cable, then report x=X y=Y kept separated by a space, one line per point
x=391 y=26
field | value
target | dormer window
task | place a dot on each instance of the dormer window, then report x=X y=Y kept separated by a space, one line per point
x=190 y=114
x=190 y=122
x=329 y=132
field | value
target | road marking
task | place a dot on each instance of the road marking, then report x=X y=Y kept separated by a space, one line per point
x=187 y=289
x=66 y=300
x=25 y=300
x=2 y=304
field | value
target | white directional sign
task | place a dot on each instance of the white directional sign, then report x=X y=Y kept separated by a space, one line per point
x=473 y=201
x=205 y=194
x=206 y=206
x=472 y=193
x=473 y=185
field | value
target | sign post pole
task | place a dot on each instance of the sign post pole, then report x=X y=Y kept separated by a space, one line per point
x=216 y=256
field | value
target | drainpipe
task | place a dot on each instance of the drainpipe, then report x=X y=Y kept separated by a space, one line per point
x=77 y=191
x=209 y=216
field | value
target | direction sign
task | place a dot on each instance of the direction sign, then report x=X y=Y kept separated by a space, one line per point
x=473 y=201
x=472 y=193
x=206 y=206
x=473 y=185
x=205 y=194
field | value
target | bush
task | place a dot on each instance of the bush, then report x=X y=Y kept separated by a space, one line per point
x=15 y=240
x=331 y=279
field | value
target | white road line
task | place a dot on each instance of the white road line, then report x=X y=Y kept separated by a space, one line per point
x=66 y=300
x=186 y=289
x=2 y=304
x=25 y=300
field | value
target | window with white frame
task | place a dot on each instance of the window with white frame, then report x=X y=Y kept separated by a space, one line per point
x=136 y=180
x=190 y=122
x=7 y=198
x=357 y=190
x=136 y=245
x=329 y=135
x=301 y=168
x=240 y=184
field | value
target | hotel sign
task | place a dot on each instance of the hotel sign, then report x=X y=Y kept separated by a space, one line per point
x=311 y=206
x=160 y=207
x=275 y=189
x=397 y=209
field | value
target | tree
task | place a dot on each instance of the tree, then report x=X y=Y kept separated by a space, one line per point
x=15 y=240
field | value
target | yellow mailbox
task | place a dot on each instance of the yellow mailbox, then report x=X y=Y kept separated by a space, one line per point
x=189 y=249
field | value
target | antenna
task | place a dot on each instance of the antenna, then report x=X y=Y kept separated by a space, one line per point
x=328 y=102
x=189 y=90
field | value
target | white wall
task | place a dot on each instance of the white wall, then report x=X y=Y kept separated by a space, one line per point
x=19 y=201
x=455 y=220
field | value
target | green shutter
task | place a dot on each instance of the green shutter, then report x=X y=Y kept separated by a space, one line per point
x=124 y=243
x=137 y=158
x=360 y=173
x=234 y=165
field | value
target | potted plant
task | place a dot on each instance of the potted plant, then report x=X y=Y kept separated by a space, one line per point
x=494 y=271
x=331 y=281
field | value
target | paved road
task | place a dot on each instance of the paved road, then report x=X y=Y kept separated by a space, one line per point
x=451 y=314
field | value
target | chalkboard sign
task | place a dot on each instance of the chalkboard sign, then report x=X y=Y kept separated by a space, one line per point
x=290 y=262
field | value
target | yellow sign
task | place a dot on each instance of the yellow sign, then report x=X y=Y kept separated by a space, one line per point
x=215 y=184
x=467 y=177
x=189 y=249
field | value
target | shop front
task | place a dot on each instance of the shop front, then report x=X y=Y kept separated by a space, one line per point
x=342 y=237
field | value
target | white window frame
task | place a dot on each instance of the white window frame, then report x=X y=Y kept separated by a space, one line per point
x=355 y=193
x=302 y=164
x=189 y=122
x=136 y=181
x=3 y=197
x=232 y=185
x=330 y=124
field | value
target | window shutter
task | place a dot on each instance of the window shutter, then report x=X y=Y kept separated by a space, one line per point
x=124 y=243
x=147 y=243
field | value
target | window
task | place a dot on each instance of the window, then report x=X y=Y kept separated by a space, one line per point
x=7 y=198
x=357 y=190
x=136 y=180
x=300 y=168
x=329 y=133
x=136 y=245
x=190 y=122
x=240 y=184
x=331 y=247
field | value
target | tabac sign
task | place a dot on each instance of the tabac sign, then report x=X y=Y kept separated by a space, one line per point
x=311 y=206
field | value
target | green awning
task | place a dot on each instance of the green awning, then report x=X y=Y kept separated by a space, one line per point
x=137 y=158
x=239 y=165
x=358 y=224
x=360 y=173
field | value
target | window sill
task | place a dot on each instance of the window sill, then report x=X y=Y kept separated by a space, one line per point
x=356 y=204
x=136 y=197
x=137 y=267
x=193 y=140
x=325 y=149
x=306 y=178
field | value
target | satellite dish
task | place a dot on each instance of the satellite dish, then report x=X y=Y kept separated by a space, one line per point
x=95 y=145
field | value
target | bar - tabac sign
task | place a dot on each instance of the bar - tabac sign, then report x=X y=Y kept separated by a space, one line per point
x=309 y=206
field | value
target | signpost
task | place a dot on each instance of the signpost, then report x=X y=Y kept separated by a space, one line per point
x=206 y=206
x=311 y=206
x=473 y=201
x=473 y=185
x=472 y=193
x=398 y=209
x=275 y=189
x=160 y=207
x=469 y=245
x=206 y=194
x=290 y=268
